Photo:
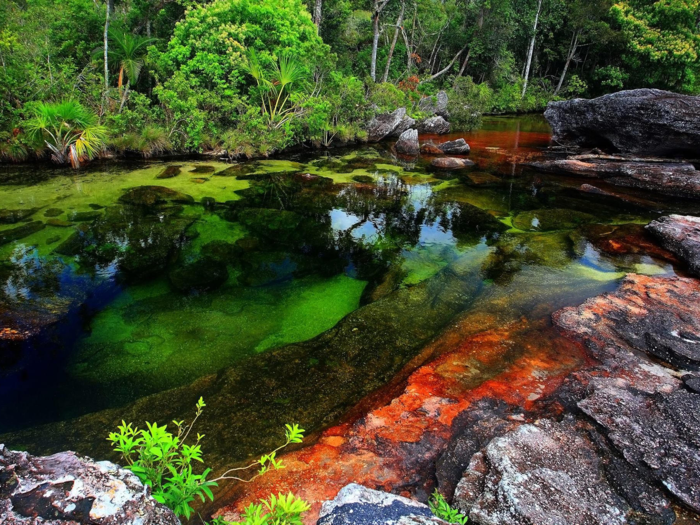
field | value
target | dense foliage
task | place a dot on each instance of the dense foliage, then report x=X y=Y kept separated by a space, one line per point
x=193 y=75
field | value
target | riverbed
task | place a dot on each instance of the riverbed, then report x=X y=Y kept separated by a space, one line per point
x=288 y=290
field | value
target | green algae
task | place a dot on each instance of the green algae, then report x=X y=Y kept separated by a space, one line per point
x=166 y=340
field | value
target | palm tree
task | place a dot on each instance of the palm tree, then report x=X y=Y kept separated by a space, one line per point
x=275 y=85
x=127 y=52
x=69 y=130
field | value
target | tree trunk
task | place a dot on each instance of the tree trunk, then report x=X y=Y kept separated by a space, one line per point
x=399 y=22
x=125 y=96
x=464 y=64
x=480 y=25
x=110 y=5
x=317 y=14
x=531 y=48
x=570 y=56
x=375 y=45
x=447 y=68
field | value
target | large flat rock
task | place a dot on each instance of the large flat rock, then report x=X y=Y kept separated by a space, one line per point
x=677 y=179
x=644 y=121
x=648 y=416
x=679 y=234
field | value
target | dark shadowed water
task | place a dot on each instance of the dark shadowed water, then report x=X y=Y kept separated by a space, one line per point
x=281 y=290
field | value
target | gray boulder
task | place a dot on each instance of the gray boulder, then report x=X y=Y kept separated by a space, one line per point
x=657 y=433
x=408 y=143
x=547 y=473
x=381 y=126
x=434 y=126
x=680 y=235
x=436 y=105
x=67 y=489
x=645 y=121
x=358 y=505
x=455 y=147
x=405 y=124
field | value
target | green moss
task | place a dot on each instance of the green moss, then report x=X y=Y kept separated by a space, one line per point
x=164 y=339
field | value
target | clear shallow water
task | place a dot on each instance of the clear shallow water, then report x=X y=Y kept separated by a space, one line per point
x=218 y=284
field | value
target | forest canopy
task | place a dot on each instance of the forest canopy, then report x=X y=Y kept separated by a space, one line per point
x=253 y=77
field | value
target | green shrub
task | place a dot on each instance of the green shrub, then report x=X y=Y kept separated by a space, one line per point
x=467 y=102
x=167 y=463
x=204 y=63
x=442 y=509
x=387 y=97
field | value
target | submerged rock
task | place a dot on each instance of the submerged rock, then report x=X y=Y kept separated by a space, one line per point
x=550 y=220
x=681 y=235
x=451 y=163
x=65 y=488
x=455 y=147
x=169 y=172
x=648 y=121
x=619 y=239
x=202 y=275
x=434 y=126
x=83 y=216
x=20 y=232
x=358 y=505
x=203 y=169
x=408 y=143
x=53 y=212
x=671 y=178
x=15 y=216
x=153 y=196
x=430 y=149
x=59 y=223
x=222 y=251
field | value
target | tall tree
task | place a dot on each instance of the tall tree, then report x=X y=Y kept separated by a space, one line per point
x=585 y=19
x=128 y=51
x=109 y=4
x=318 y=9
x=531 y=48
x=377 y=9
x=399 y=27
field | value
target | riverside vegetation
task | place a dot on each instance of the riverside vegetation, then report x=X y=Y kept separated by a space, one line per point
x=167 y=464
x=248 y=78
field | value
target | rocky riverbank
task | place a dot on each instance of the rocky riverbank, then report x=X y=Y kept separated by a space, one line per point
x=608 y=435
x=645 y=138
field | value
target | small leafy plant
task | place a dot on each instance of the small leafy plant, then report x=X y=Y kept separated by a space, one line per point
x=276 y=510
x=442 y=509
x=166 y=462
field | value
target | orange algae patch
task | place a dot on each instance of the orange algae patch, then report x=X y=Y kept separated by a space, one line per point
x=393 y=445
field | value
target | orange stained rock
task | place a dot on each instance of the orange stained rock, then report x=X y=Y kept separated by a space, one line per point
x=519 y=364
